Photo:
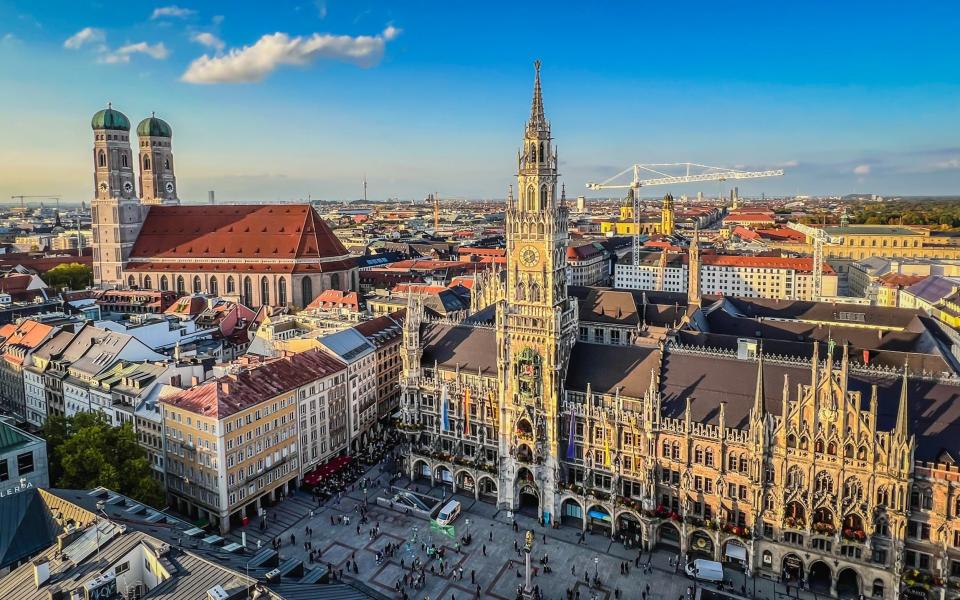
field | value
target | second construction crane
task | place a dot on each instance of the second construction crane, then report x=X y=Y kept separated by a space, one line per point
x=658 y=175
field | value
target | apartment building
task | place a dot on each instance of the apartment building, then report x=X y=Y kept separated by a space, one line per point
x=231 y=442
x=386 y=334
x=17 y=343
x=352 y=348
x=743 y=276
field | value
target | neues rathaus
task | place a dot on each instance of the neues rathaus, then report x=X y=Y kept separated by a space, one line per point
x=811 y=441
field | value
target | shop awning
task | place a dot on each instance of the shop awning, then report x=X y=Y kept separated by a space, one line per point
x=596 y=514
x=194 y=532
x=736 y=552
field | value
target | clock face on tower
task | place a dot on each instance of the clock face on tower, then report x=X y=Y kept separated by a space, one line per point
x=103 y=186
x=169 y=186
x=529 y=256
x=127 y=186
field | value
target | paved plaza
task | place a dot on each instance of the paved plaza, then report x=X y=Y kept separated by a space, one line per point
x=497 y=572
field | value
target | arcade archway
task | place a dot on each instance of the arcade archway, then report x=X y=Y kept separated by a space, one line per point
x=701 y=545
x=488 y=490
x=820 y=577
x=571 y=513
x=792 y=568
x=669 y=536
x=465 y=482
x=599 y=519
x=629 y=529
x=848 y=584
x=443 y=476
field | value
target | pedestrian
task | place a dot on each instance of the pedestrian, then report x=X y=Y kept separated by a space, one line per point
x=484 y=549
x=473 y=576
x=491 y=534
x=573 y=570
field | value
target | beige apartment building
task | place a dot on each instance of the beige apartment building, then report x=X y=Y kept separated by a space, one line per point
x=231 y=443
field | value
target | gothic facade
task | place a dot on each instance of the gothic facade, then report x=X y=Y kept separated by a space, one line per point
x=826 y=470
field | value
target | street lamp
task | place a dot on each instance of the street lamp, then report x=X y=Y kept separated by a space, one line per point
x=596 y=566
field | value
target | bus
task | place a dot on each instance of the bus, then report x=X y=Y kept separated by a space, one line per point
x=449 y=513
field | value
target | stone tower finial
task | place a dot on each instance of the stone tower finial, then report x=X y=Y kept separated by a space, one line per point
x=538 y=121
x=903 y=416
x=693 y=269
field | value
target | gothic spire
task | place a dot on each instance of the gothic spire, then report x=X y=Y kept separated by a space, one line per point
x=903 y=417
x=758 y=396
x=693 y=268
x=538 y=122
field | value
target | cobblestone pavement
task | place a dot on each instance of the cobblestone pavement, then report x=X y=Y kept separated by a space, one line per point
x=498 y=572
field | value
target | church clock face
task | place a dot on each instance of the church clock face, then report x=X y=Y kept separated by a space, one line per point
x=169 y=186
x=103 y=186
x=127 y=186
x=529 y=256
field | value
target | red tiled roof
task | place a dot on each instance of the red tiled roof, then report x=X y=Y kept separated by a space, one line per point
x=744 y=233
x=900 y=280
x=470 y=250
x=467 y=282
x=281 y=231
x=763 y=262
x=335 y=299
x=403 y=288
x=224 y=396
x=16 y=284
x=582 y=252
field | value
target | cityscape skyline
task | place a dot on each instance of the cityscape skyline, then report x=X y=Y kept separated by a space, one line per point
x=878 y=117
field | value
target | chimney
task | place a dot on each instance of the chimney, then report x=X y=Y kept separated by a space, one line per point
x=194 y=381
x=225 y=386
x=866 y=357
x=210 y=198
x=41 y=572
x=176 y=380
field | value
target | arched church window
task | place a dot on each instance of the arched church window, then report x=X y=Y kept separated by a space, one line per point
x=166 y=164
x=848 y=451
x=794 y=477
x=264 y=291
x=531 y=194
x=147 y=283
x=146 y=163
x=533 y=152
x=335 y=281
x=540 y=229
x=181 y=286
x=231 y=287
x=248 y=291
x=666 y=449
x=791 y=441
x=164 y=286
x=543 y=196
x=123 y=160
x=832 y=448
x=213 y=286
x=306 y=290
x=102 y=159
x=862 y=453
x=131 y=282
x=540 y=158
x=197 y=286
x=534 y=292
x=709 y=457
x=676 y=451
x=282 y=292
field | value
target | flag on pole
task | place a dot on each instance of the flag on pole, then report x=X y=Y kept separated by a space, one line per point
x=466 y=411
x=444 y=402
x=606 y=447
x=571 y=447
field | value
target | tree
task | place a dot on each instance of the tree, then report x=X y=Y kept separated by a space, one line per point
x=86 y=451
x=72 y=276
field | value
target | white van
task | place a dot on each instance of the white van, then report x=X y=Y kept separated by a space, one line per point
x=449 y=513
x=705 y=570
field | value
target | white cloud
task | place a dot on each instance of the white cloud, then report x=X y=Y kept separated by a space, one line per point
x=321 y=8
x=87 y=35
x=789 y=164
x=122 y=55
x=947 y=165
x=217 y=19
x=861 y=170
x=253 y=63
x=171 y=11
x=9 y=38
x=209 y=40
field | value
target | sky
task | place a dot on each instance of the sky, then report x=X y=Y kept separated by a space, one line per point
x=284 y=100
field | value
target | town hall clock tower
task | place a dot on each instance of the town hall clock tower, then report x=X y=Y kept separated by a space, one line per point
x=536 y=324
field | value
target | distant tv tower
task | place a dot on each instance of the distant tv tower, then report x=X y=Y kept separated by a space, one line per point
x=364 y=187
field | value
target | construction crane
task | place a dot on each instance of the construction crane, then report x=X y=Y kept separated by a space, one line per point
x=693 y=173
x=22 y=198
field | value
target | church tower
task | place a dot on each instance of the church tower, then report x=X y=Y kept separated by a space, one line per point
x=667 y=226
x=693 y=269
x=116 y=215
x=536 y=323
x=158 y=184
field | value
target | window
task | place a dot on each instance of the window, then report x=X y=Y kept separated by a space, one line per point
x=197 y=286
x=4 y=470
x=264 y=291
x=282 y=292
x=213 y=286
x=25 y=463
x=919 y=531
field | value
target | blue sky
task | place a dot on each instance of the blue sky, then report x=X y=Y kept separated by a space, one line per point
x=305 y=98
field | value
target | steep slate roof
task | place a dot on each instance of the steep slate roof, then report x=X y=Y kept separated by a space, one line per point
x=611 y=368
x=469 y=347
x=281 y=232
x=708 y=380
x=26 y=526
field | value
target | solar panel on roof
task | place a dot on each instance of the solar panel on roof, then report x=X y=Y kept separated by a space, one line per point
x=92 y=538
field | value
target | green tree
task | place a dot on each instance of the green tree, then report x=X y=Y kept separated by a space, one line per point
x=86 y=451
x=72 y=276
